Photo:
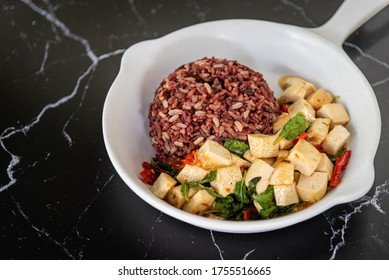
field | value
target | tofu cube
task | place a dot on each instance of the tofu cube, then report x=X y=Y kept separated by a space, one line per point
x=163 y=185
x=280 y=122
x=287 y=81
x=282 y=155
x=335 y=139
x=318 y=130
x=312 y=188
x=237 y=160
x=302 y=106
x=259 y=168
x=261 y=145
x=176 y=198
x=283 y=174
x=325 y=166
x=304 y=157
x=262 y=185
x=293 y=93
x=285 y=194
x=226 y=179
x=319 y=98
x=248 y=155
x=212 y=155
x=335 y=112
x=200 y=202
x=191 y=173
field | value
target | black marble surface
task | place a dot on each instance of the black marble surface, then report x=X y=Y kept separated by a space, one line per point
x=60 y=197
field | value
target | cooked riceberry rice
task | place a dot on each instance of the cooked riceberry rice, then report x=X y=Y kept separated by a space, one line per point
x=209 y=98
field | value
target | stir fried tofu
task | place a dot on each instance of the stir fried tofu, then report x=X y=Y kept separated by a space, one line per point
x=285 y=194
x=318 y=131
x=312 y=188
x=163 y=185
x=237 y=160
x=258 y=168
x=262 y=186
x=335 y=139
x=248 y=155
x=176 y=198
x=261 y=145
x=302 y=106
x=282 y=155
x=319 y=98
x=191 y=173
x=293 y=93
x=287 y=81
x=226 y=179
x=304 y=157
x=280 y=122
x=212 y=155
x=325 y=166
x=200 y=202
x=283 y=174
x=335 y=112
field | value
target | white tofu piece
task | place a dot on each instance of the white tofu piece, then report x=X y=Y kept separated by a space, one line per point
x=285 y=144
x=285 y=194
x=163 y=185
x=312 y=188
x=200 y=202
x=293 y=93
x=304 y=157
x=212 y=155
x=325 y=166
x=318 y=130
x=226 y=178
x=176 y=198
x=258 y=168
x=283 y=174
x=280 y=122
x=302 y=106
x=282 y=155
x=319 y=98
x=335 y=139
x=336 y=112
x=248 y=155
x=191 y=173
x=261 y=145
x=237 y=160
x=262 y=185
x=287 y=81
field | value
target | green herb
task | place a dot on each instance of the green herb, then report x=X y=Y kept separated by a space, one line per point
x=162 y=167
x=232 y=206
x=236 y=146
x=185 y=188
x=293 y=128
x=268 y=203
x=339 y=154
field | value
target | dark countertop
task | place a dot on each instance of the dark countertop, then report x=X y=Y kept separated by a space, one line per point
x=61 y=198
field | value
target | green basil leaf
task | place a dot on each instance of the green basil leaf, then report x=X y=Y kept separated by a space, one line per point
x=253 y=184
x=162 y=167
x=293 y=128
x=236 y=146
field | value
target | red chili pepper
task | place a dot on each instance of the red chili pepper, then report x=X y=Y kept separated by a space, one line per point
x=191 y=159
x=250 y=213
x=148 y=174
x=303 y=135
x=284 y=108
x=340 y=166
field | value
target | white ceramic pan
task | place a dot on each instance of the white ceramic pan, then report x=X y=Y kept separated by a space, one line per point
x=271 y=48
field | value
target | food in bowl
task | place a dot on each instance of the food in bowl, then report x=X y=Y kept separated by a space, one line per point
x=282 y=160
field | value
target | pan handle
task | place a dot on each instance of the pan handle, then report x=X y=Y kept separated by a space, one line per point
x=348 y=18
